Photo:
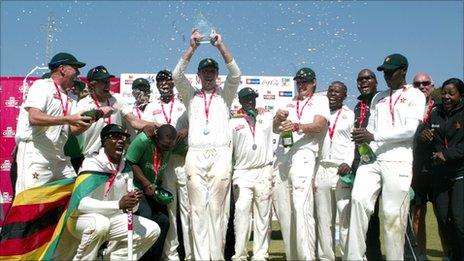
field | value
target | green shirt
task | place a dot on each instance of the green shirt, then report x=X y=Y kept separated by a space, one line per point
x=141 y=152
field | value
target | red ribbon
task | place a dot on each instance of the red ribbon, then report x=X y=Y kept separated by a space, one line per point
x=207 y=104
x=156 y=162
x=168 y=120
x=95 y=101
x=65 y=108
x=427 y=112
x=298 y=112
x=332 y=128
x=392 y=106
x=110 y=181
x=362 y=113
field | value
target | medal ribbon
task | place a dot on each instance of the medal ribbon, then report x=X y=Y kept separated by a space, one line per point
x=156 y=162
x=207 y=104
x=95 y=101
x=138 y=112
x=392 y=106
x=168 y=120
x=298 y=112
x=332 y=128
x=362 y=113
x=251 y=126
x=65 y=108
x=427 y=112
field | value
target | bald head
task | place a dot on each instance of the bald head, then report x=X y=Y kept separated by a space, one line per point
x=424 y=83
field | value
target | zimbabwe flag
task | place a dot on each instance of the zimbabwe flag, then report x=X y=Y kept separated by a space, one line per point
x=35 y=222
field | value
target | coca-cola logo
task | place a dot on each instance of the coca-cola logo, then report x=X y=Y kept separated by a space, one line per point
x=11 y=102
x=6 y=165
x=9 y=132
x=7 y=198
x=270 y=82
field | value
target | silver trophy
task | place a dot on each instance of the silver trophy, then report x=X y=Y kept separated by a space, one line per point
x=205 y=28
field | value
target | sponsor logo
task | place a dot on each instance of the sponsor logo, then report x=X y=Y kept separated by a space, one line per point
x=285 y=93
x=290 y=105
x=9 y=132
x=7 y=198
x=6 y=165
x=270 y=82
x=157 y=112
x=269 y=107
x=128 y=81
x=11 y=102
x=269 y=97
x=252 y=81
x=286 y=81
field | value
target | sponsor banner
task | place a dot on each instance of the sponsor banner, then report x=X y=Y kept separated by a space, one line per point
x=285 y=94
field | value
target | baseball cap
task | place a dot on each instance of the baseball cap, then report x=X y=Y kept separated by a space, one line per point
x=141 y=84
x=207 y=63
x=247 y=91
x=305 y=74
x=393 y=62
x=64 y=58
x=110 y=129
x=98 y=73
x=164 y=75
x=163 y=196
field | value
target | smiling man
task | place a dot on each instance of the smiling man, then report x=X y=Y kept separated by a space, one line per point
x=395 y=115
x=307 y=117
x=209 y=158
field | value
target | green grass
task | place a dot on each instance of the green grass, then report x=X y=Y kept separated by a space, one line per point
x=434 y=249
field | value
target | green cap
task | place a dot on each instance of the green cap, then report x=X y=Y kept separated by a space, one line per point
x=46 y=75
x=64 y=58
x=163 y=196
x=80 y=85
x=110 y=129
x=163 y=75
x=98 y=73
x=208 y=62
x=141 y=84
x=393 y=62
x=247 y=91
x=305 y=74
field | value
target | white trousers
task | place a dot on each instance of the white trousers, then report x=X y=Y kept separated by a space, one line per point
x=252 y=187
x=208 y=183
x=332 y=199
x=281 y=203
x=175 y=180
x=94 y=229
x=35 y=170
x=393 y=179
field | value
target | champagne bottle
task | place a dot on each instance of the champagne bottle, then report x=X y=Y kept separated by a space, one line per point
x=366 y=153
x=287 y=138
x=94 y=113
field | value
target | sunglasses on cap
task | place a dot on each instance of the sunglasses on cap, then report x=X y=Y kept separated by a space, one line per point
x=367 y=78
x=423 y=83
x=98 y=69
x=117 y=136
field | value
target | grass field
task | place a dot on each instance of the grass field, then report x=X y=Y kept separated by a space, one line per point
x=434 y=249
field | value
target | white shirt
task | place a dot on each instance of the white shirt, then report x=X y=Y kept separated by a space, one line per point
x=244 y=155
x=50 y=140
x=161 y=113
x=339 y=149
x=96 y=202
x=393 y=136
x=317 y=105
x=220 y=134
x=91 y=137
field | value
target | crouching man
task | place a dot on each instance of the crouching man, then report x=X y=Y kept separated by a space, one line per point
x=100 y=214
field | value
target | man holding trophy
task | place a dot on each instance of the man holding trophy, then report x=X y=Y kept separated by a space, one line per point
x=208 y=161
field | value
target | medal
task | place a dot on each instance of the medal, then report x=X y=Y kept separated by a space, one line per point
x=254 y=147
x=206 y=131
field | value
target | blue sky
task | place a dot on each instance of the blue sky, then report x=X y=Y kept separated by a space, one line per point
x=273 y=38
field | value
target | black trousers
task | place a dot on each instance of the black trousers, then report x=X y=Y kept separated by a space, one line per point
x=156 y=212
x=449 y=204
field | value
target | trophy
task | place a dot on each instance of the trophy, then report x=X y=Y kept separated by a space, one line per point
x=204 y=28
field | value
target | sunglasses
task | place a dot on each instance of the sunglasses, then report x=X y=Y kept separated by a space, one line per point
x=367 y=78
x=424 y=83
x=98 y=69
x=116 y=137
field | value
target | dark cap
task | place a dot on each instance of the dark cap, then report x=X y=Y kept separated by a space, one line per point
x=46 y=75
x=163 y=196
x=305 y=74
x=247 y=91
x=141 y=84
x=110 y=129
x=164 y=75
x=208 y=62
x=80 y=85
x=98 y=73
x=393 y=62
x=64 y=58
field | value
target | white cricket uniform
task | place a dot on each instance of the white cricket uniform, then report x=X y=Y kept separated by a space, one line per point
x=209 y=160
x=99 y=219
x=296 y=168
x=252 y=184
x=330 y=193
x=133 y=132
x=91 y=137
x=174 y=178
x=391 y=173
x=40 y=156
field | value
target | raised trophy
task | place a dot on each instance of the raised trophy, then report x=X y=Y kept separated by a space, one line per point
x=205 y=28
